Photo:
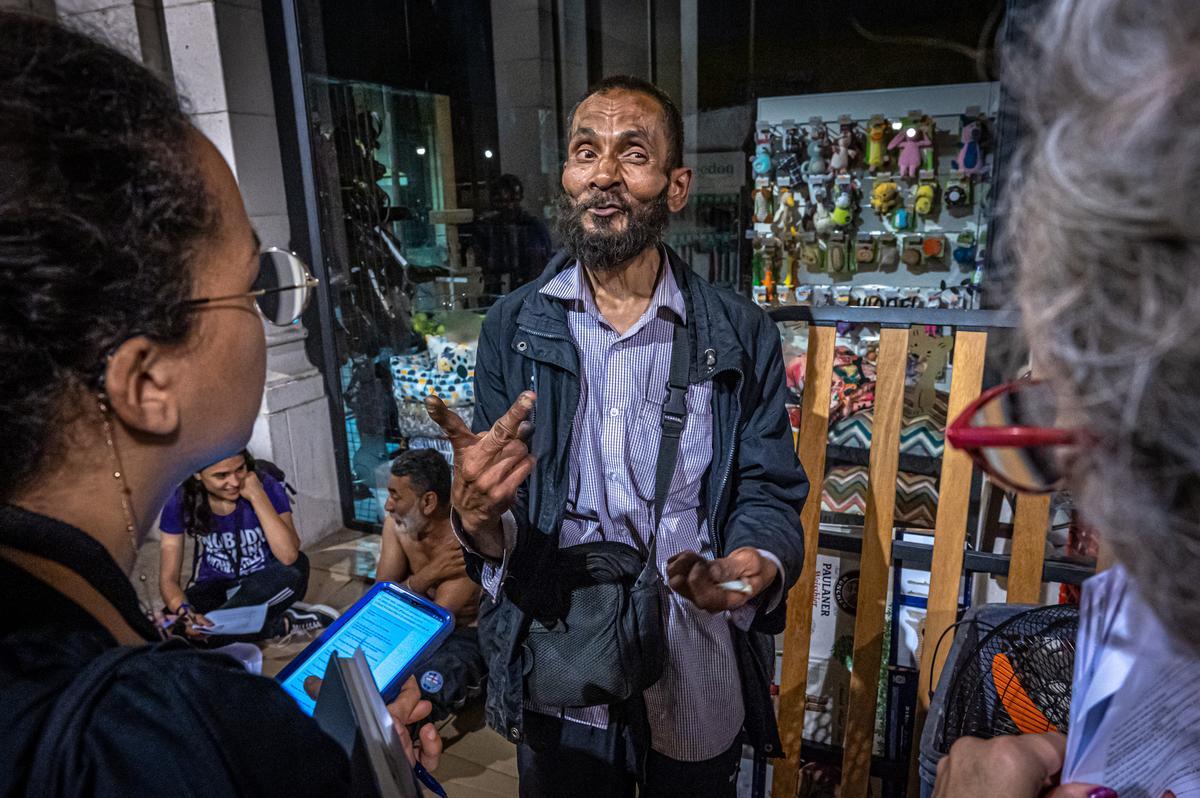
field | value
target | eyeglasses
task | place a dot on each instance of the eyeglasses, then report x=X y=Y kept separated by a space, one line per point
x=1009 y=432
x=282 y=289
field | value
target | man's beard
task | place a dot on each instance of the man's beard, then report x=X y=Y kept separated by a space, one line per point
x=603 y=247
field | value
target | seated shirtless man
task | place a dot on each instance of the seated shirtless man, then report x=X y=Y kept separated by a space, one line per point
x=419 y=549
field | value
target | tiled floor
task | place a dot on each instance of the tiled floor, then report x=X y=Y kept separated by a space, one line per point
x=477 y=762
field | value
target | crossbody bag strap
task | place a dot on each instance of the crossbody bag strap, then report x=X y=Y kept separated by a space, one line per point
x=674 y=416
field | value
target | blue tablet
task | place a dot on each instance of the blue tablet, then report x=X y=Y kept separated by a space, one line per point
x=392 y=626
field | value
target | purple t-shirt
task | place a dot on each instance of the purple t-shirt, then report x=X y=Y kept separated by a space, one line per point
x=220 y=557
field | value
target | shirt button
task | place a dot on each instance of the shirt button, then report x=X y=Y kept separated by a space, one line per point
x=614 y=412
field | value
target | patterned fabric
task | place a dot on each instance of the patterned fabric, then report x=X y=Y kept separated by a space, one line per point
x=845 y=491
x=852 y=387
x=614 y=450
x=920 y=435
x=445 y=368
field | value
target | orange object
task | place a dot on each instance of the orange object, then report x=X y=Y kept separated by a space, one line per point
x=1017 y=703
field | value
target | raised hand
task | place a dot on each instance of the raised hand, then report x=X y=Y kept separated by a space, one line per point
x=488 y=469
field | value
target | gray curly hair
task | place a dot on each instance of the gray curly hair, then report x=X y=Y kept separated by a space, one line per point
x=1105 y=228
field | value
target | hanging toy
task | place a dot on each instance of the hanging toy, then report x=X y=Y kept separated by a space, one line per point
x=877 y=154
x=864 y=251
x=912 y=252
x=838 y=253
x=787 y=217
x=794 y=139
x=762 y=204
x=910 y=141
x=843 y=153
x=811 y=254
x=928 y=154
x=964 y=248
x=889 y=253
x=757 y=268
x=969 y=162
x=924 y=198
x=761 y=163
x=957 y=197
x=885 y=196
x=902 y=219
x=818 y=146
x=843 y=209
x=822 y=219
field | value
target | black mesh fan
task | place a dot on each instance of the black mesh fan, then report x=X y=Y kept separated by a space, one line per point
x=1016 y=680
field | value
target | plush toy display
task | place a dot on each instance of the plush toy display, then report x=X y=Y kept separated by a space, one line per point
x=812 y=181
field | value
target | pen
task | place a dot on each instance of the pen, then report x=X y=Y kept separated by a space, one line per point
x=429 y=781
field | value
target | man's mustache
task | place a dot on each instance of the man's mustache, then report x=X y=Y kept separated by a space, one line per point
x=600 y=200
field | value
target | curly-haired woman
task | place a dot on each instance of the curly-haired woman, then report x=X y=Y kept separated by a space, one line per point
x=128 y=272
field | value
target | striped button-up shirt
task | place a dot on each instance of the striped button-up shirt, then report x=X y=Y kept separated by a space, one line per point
x=695 y=710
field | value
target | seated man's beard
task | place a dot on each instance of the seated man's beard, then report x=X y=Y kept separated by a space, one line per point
x=604 y=247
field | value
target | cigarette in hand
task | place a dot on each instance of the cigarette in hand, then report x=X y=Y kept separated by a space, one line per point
x=737 y=586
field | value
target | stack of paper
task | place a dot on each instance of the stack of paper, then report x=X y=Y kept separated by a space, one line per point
x=1135 y=710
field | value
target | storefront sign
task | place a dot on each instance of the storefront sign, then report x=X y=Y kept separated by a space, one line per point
x=718 y=172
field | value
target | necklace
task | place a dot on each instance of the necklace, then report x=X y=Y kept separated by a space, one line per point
x=141 y=583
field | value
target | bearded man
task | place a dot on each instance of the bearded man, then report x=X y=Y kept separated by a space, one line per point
x=588 y=429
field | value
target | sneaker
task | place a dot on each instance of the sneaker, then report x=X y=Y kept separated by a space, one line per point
x=303 y=620
x=326 y=613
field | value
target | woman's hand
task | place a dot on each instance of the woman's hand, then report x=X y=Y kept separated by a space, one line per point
x=407 y=709
x=252 y=487
x=1021 y=766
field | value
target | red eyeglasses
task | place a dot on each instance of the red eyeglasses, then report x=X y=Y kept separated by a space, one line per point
x=1009 y=432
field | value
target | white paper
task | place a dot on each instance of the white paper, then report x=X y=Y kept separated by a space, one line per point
x=236 y=621
x=1135 y=711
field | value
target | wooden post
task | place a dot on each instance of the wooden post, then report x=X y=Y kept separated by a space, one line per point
x=876 y=561
x=949 y=537
x=813 y=438
x=1030 y=520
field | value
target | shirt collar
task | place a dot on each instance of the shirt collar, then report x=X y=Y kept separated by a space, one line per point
x=570 y=285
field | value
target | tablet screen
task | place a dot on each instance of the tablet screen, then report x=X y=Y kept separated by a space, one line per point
x=388 y=629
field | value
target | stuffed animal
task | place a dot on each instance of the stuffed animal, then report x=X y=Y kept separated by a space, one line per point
x=843 y=210
x=816 y=163
x=787 y=215
x=843 y=153
x=923 y=198
x=877 y=154
x=964 y=248
x=762 y=205
x=970 y=154
x=762 y=161
x=910 y=142
x=885 y=196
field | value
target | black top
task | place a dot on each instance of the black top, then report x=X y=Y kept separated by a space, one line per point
x=173 y=720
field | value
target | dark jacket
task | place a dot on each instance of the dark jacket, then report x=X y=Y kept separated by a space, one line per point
x=753 y=494
x=168 y=720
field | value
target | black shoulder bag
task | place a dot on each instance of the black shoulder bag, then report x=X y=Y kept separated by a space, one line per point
x=604 y=641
